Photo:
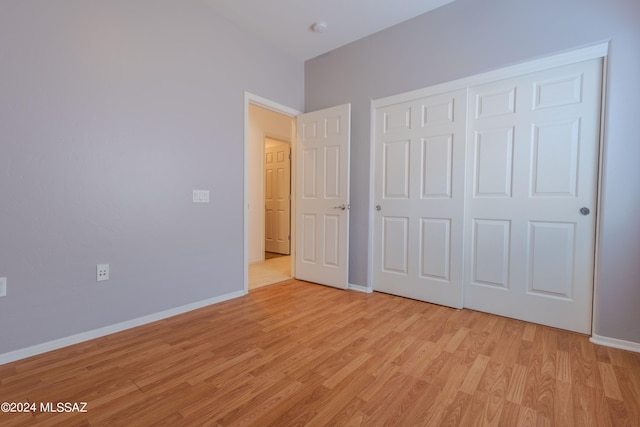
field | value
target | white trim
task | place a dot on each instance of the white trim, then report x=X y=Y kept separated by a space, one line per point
x=584 y=54
x=23 y=353
x=371 y=206
x=250 y=98
x=615 y=343
x=359 y=288
x=270 y=105
x=599 y=189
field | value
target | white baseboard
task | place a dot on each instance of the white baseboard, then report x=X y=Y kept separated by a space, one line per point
x=615 y=343
x=359 y=288
x=23 y=353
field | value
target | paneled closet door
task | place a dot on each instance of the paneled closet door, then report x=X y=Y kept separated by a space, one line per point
x=531 y=196
x=419 y=152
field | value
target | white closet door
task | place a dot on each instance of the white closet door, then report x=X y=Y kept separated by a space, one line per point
x=419 y=161
x=531 y=196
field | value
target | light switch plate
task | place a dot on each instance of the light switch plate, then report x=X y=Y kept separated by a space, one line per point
x=200 y=196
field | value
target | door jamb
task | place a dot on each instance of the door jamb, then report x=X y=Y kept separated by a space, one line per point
x=250 y=98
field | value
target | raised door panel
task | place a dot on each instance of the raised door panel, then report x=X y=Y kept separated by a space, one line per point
x=555 y=159
x=435 y=249
x=438 y=112
x=558 y=91
x=310 y=173
x=269 y=229
x=491 y=253
x=396 y=119
x=396 y=169
x=395 y=245
x=551 y=259
x=493 y=162
x=331 y=240
x=437 y=166
x=282 y=221
x=332 y=172
x=308 y=237
x=496 y=102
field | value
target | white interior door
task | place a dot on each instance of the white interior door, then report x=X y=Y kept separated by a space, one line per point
x=277 y=167
x=419 y=167
x=533 y=150
x=322 y=200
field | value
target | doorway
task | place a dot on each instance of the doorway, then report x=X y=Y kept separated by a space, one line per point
x=276 y=265
x=267 y=125
x=319 y=215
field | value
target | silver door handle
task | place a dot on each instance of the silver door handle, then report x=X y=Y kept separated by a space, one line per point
x=341 y=207
x=378 y=208
x=584 y=211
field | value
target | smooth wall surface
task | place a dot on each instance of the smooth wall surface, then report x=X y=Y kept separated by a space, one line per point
x=111 y=113
x=262 y=123
x=468 y=37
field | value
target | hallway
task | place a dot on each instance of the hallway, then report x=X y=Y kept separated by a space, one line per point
x=272 y=270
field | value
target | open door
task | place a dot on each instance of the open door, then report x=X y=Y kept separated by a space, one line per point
x=322 y=200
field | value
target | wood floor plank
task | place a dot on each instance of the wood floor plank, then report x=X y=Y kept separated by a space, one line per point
x=455 y=410
x=296 y=353
x=563 y=408
x=515 y=391
x=609 y=381
x=342 y=405
x=631 y=396
x=475 y=374
x=510 y=414
x=473 y=415
x=563 y=366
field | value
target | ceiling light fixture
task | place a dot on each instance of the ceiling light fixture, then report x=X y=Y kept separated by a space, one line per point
x=319 y=27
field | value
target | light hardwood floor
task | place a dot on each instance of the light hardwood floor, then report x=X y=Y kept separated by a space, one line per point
x=301 y=354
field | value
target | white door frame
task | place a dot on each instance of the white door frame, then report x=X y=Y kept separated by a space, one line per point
x=250 y=98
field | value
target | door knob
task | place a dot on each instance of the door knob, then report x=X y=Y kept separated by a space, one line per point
x=378 y=207
x=341 y=207
x=584 y=211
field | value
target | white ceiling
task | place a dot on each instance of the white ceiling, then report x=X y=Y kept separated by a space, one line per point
x=287 y=23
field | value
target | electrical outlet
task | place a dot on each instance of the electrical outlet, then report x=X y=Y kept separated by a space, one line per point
x=3 y=286
x=102 y=272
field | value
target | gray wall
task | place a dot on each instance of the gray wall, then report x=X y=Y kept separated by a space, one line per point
x=468 y=37
x=111 y=113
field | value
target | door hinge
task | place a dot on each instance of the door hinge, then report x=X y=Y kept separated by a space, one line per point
x=289 y=237
x=290 y=198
